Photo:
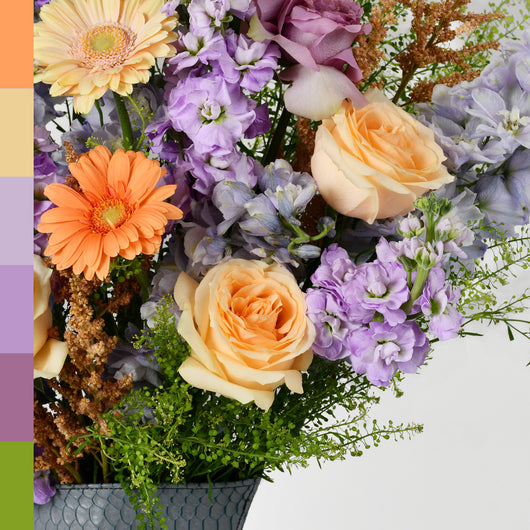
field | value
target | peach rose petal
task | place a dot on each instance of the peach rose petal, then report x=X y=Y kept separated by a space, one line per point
x=48 y=354
x=41 y=286
x=247 y=328
x=261 y=379
x=41 y=325
x=198 y=376
x=188 y=332
x=374 y=162
x=49 y=360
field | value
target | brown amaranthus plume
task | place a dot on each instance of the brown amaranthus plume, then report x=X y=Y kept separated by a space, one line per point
x=368 y=51
x=60 y=428
x=432 y=25
x=305 y=147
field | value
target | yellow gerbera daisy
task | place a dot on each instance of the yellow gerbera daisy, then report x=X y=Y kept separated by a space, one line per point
x=84 y=47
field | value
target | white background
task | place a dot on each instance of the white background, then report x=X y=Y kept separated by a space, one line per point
x=468 y=470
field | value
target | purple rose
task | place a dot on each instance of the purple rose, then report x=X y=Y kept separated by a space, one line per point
x=315 y=32
x=317 y=36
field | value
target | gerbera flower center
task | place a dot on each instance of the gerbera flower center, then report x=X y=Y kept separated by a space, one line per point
x=104 y=47
x=109 y=215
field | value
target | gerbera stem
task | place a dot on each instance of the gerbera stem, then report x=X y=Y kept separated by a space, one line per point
x=125 y=122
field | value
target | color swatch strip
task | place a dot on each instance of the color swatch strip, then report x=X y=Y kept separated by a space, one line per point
x=16 y=265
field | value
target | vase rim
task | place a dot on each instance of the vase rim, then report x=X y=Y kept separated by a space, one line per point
x=191 y=485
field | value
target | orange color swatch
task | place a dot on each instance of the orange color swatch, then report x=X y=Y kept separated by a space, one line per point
x=16 y=43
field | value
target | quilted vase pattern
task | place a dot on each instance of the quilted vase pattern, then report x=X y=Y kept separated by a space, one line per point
x=186 y=507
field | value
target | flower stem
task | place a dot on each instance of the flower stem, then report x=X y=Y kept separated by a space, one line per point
x=104 y=465
x=143 y=280
x=125 y=122
x=71 y=469
x=417 y=288
x=100 y=112
x=279 y=133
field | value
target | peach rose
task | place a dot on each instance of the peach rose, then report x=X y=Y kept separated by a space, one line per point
x=48 y=354
x=247 y=328
x=375 y=161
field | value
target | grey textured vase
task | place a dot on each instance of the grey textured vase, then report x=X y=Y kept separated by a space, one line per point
x=186 y=507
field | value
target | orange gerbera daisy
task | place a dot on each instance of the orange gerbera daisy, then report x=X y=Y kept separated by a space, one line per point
x=84 y=47
x=118 y=211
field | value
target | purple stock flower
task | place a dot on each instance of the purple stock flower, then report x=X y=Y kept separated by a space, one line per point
x=335 y=268
x=205 y=14
x=213 y=113
x=167 y=149
x=181 y=198
x=378 y=287
x=261 y=124
x=43 y=489
x=380 y=350
x=255 y=61
x=328 y=311
x=43 y=482
x=209 y=169
x=206 y=50
x=437 y=302
x=170 y=7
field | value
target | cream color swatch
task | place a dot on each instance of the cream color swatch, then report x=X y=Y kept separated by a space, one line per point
x=16 y=132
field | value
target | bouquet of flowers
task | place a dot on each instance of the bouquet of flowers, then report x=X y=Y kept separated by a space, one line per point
x=251 y=216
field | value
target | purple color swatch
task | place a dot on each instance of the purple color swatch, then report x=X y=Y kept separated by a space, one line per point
x=16 y=397
x=16 y=310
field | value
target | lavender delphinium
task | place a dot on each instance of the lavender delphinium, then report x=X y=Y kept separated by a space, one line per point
x=256 y=216
x=482 y=125
x=140 y=363
x=502 y=193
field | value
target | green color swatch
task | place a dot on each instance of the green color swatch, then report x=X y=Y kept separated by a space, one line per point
x=16 y=486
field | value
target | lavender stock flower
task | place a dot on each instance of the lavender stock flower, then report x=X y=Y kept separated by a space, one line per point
x=378 y=287
x=255 y=61
x=213 y=113
x=380 y=349
x=43 y=489
x=328 y=310
x=437 y=302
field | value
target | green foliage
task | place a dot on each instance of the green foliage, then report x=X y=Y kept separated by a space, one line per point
x=505 y=257
x=177 y=433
